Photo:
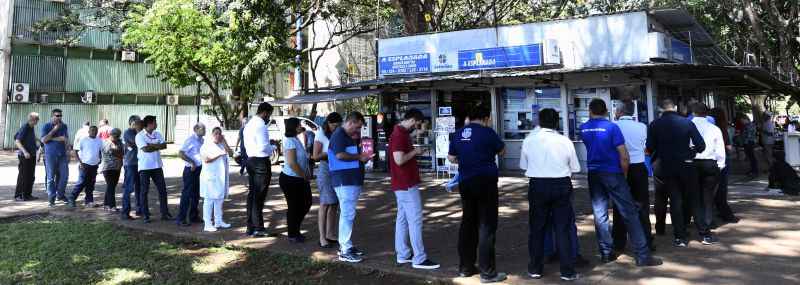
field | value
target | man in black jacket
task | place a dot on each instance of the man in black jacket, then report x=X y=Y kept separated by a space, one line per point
x=673 y=141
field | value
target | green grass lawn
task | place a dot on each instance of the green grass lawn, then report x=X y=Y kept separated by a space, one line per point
x=67 y=251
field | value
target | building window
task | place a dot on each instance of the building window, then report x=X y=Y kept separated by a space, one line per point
x=521 y=108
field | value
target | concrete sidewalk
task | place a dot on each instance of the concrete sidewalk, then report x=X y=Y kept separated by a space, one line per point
x=763 y=248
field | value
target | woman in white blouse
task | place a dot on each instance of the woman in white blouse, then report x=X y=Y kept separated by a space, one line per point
x=214 y=179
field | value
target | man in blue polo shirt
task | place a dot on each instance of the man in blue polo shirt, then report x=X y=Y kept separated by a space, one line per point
x=346 y=160
x=608 y=161
x=55 y=136
x=474 y=148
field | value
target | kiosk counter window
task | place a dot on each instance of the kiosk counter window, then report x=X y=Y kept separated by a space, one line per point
x=613 y=96
x=521 y=108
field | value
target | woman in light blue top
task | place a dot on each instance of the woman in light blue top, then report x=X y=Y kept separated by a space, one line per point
x=294 y=179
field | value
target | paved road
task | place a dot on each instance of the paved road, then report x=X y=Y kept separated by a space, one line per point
x=763 y=248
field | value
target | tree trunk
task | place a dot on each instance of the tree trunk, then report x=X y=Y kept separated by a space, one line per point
x=758 y=32
x=413 y=16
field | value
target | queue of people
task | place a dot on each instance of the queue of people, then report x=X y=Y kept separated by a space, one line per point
x=689 y=165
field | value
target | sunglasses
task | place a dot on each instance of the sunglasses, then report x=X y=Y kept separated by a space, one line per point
x=57 y=116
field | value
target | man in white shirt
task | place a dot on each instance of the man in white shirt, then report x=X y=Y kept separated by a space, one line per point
x=190 y=193
x=635 y=134
x=89 y=152
x=549 y=159
x=709 y=163
x=259 y=168
x=150 y=142
x=81 y=133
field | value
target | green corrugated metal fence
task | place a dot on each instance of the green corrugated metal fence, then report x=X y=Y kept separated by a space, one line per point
x=43 y=73
x=29 y=12
x=76 y=114
x=116 y=77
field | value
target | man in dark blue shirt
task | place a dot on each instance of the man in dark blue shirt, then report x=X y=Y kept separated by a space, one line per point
x=608 y=161
x=27 y=148
x=55 y=136
x=347 y=177
x=131 y=164
x=474 y=148
x=669 y=141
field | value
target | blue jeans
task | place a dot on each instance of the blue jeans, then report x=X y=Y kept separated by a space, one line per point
x=348 y=198
x=157 y=175
x=551 y=206
x=56 y=174
x=408 y=226
x=131 y=185
x=190 y=195
x=86 y=181
x=613 y=186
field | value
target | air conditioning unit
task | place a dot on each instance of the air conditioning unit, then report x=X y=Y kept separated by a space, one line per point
x=551 y=54
x=172 y=100
x=128 y=55
x=20 y=93
x=87 y=97
x=658 y=46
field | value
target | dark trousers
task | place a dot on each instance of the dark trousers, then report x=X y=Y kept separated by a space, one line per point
x=259 y=174
x=25 y=177
x=478 y=230
x=157 y=175
x=749 y=151
x=724 y=210
x=131 y=184
x=674 y=181
x=190 y=196
x=638 y=182
x=112 y=178
x=550 y=201
x=86 y=181
x=703 y=200
x=297 y=192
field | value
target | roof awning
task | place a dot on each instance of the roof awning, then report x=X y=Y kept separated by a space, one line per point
x=329 y=96
x=745 y=79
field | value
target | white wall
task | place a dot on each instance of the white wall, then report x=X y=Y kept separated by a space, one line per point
x=593 y=41
x=6 y=12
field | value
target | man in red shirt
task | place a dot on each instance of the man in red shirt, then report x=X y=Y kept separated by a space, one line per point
x=405 y=184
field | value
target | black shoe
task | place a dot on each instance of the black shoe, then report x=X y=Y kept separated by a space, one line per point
x=327 y=246
x=427 y=264
x=608 y=258
x=184 y=224
x=650 y=261
x=731 y=220
x=19 y=199
x=709 y=240
x=500 y=276
x=335 y=242
x=297 y=239
x=534 y=275
x=467 y=273
x=166 y=217
x=31 y=198
x=356 y=251
x=679 y=243
x=572 y=277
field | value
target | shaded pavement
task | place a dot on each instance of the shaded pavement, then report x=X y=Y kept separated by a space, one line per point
x=763 y=248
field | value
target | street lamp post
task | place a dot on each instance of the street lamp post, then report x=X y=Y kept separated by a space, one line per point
x=197 y=98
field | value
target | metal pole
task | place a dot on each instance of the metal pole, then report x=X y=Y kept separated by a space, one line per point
x=197 y=102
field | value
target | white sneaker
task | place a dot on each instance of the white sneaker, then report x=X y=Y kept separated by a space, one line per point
x=222 y=225
x=209 y=229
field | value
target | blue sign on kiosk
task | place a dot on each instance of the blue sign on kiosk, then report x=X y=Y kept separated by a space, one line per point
x=405 y=64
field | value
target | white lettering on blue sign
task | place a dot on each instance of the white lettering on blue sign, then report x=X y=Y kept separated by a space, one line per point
x=405 y=64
